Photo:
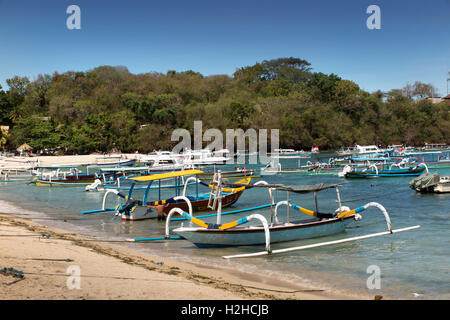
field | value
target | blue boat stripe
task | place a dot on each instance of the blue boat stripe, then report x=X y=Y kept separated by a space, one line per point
x=242 y=220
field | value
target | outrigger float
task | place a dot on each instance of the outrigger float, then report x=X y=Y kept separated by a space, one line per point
x=133 y=209
x=234 y=234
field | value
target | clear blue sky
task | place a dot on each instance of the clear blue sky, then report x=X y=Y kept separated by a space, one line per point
x=219 y=36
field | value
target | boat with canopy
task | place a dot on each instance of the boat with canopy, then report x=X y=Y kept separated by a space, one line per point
x=320 y=224
x=131 y=208
x=76 y=175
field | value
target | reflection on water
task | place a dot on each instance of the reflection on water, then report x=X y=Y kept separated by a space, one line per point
x=410 y=262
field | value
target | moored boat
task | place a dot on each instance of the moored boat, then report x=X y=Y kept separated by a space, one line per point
x=130 y=208
x=373 y=172
x=235 y=234
x=431 y=183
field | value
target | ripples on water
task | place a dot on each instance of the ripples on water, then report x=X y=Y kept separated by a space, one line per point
x=411 y=262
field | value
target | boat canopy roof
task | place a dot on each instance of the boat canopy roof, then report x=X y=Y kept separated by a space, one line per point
x=160 y=176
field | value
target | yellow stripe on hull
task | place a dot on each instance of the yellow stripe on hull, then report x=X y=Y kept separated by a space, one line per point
x=346 y=213
x=228 y=225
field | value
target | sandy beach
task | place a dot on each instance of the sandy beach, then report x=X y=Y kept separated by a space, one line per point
x=112 y=271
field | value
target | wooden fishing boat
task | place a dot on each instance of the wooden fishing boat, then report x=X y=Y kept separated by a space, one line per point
x=231 y=234
x=390 y=172
x=134 y=209
x=235 y=234
x=71 y=175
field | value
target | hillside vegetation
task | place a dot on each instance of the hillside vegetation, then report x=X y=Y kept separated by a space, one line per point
x=110 y=108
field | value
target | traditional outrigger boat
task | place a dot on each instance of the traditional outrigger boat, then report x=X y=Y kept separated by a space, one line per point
x=320 y=224
x=71 y=175
x=313 y=168
x=373 y=172
x=133 y=209
x=124 y=182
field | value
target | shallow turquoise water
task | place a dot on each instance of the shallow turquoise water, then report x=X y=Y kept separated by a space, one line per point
x=414 y=262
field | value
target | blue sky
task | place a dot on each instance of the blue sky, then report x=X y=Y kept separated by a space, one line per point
x=218 y=36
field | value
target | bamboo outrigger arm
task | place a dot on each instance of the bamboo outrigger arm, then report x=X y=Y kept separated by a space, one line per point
x=186 y=183
x=362 y=208
x=116 y=192
x=171 y=213
x=228 y=225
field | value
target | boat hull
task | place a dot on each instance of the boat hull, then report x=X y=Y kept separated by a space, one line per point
x=239 y=236
x=161 y=210
x=74 y=180
x=202 y=204
x=385 y=173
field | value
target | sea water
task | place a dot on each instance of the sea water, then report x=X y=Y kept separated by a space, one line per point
x=412 y=265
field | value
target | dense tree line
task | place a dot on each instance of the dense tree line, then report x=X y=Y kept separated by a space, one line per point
x=110 y=108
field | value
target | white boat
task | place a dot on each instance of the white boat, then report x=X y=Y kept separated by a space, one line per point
x=163 y=161
x=289 y=154
x=13 y=173
x=360 y=150
x=204 y=157
x=431 y=183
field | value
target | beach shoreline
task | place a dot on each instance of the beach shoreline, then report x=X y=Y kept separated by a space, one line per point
x=113 y=271
x=222 y=282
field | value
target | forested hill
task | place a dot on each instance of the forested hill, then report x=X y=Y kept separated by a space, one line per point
x=110 y=108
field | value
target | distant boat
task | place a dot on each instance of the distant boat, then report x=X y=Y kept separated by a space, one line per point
x=360 y=150
x=160 y=161
x=204 y=157
x=69 y=175
x=373 y=172
x=289 y=154
x=431 y=183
